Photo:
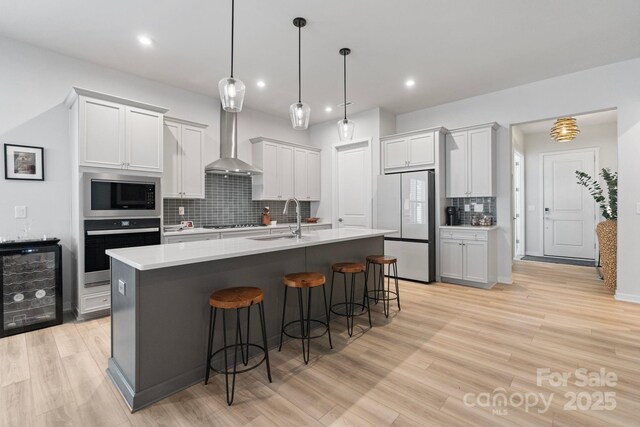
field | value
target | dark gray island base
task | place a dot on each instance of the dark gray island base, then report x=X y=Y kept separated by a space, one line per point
x=159 y=326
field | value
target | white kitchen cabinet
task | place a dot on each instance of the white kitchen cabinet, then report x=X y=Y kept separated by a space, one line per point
x=409 y=151
x=281 y=177
x=470 y=162
x=307 y=174
x=116 y=133
x=183 y=159
x=468 y=256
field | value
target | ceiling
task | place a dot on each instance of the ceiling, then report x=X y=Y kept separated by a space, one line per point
x=591 y=119
x=452 y=49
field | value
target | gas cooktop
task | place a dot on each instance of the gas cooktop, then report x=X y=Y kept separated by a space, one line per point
x=220 y=226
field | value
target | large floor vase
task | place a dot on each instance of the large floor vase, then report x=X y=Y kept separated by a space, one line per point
x=608 y=239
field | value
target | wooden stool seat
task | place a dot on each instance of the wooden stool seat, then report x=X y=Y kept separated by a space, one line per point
x=239 y=297
x=382 y=259
x=304 y=280
x=348 y=267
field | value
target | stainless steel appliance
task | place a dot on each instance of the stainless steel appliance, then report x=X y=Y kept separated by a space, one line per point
x=406 y=203
x=103 y=234
x=452 y=215
x=31 y=283
x=111 y=195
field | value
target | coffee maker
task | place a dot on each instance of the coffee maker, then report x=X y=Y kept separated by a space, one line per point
x=452 y=215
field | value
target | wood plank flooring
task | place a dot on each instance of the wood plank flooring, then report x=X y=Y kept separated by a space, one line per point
x=416 y=368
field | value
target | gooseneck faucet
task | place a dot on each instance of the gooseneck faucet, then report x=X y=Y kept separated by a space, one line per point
x=298 y=231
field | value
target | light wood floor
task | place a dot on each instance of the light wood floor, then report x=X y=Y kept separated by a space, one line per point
x=412 y=369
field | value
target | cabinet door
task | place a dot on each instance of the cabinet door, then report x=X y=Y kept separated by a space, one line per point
x=270 y=190
x=475 y=261
x=144 y=140
x=421 y=150
x=301 y=183
x=192 y=145
x=395 y=153
x=285 y=172
x=479 y=154
x=171 y=176
x=451 y=258
x=456 y=164
x=102 y=133
x=313 y=175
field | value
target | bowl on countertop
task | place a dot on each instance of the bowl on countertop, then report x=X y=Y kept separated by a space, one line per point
x=311 y=220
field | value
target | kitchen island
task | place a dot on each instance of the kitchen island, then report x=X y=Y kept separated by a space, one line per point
x=159 y=303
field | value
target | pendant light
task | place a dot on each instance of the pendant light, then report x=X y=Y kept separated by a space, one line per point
x=299 y=111
x=565 y=129
x=231 y=89
x=345 y=126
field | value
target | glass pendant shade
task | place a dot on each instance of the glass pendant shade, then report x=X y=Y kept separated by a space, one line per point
x=345 y=129
x=231 y=94
x=300 y=113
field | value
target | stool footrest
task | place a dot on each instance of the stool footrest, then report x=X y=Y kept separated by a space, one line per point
x=300 y=337
x=363 y=307
x=233 y=346
x=386 y=295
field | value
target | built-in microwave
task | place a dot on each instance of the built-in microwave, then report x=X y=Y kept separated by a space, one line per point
x=111 y=195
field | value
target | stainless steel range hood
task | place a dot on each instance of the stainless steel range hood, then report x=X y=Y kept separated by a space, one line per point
x=229 y=163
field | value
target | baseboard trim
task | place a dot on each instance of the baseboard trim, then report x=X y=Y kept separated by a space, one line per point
x=627 y=298
x=507 y=280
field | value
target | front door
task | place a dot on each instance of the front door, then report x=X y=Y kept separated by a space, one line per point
x=353 y=185
x=569 y=210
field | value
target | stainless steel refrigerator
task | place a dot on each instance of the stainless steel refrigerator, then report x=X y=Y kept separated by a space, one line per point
x=406 y=203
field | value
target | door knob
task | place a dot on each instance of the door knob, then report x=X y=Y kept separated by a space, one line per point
x=340 y=220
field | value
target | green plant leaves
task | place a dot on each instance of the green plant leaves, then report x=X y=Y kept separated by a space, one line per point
x=609 y=207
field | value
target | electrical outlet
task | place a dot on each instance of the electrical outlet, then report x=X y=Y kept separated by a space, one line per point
x=467 y=208
x=478 y=207
x=181 y=210
x=20 y=211
x=122 y=287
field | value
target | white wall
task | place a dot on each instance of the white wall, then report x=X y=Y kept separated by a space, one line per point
x=603 y=136
x=612 y=86
x=34 y=83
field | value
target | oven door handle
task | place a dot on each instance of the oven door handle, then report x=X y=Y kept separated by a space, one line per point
x=122 y=231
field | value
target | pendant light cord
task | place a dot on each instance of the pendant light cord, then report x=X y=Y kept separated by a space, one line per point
x=233 y=7
x=299 y=65
x=345 y=86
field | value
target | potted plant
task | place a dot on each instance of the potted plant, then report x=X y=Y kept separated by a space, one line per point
x=608 y=229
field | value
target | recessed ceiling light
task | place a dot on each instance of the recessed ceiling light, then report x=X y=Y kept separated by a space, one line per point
x=261 y=83
x=145 y=40
x=328 y=109
x=410 y=83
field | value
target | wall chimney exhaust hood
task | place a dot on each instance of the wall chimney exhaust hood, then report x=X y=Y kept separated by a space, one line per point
x=229 y=163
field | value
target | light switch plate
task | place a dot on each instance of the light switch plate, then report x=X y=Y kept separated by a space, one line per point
x=467 y=208
x=122 y=287
x=478 y=207
x=20 y=211
x=181 y=210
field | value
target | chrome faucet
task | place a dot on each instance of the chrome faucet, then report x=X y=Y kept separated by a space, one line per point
x=298 y=231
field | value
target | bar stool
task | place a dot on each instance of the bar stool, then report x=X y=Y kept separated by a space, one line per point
x=349 y=303
x=306 y=281
x=235 y=299
x=378 y=262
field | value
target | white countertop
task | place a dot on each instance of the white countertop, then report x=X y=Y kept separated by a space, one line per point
x=199 y=230
x=174 y=254
x=470 y=227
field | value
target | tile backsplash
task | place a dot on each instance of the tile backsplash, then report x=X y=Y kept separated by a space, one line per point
x=228 y=201
x=489 y=208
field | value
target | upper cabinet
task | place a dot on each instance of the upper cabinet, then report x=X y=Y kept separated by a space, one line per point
x=116 y=133
x=415 y=150
x=183 y=159
x=470 y=161
x=288 y=170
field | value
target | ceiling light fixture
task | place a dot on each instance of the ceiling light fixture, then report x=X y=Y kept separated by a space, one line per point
x=299 y=111
x=345 y=126
x=565 y=129
x=410 y=83
x=231 y=89
x=328 y=109
x=261 y=83
x=145 y=40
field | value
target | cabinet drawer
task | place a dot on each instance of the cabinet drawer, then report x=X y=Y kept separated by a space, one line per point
x=480 y=235
x=96 y=302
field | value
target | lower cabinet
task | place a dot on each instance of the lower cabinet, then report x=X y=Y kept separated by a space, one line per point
x=95 y=302
x=468 y=257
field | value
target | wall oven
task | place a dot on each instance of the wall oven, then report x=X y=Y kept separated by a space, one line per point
x=103 y=234
x=110 y=195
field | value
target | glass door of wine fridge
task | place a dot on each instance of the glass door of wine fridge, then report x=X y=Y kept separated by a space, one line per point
x=31 y=283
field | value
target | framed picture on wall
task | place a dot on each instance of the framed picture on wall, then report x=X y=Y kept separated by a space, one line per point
x=23 y=162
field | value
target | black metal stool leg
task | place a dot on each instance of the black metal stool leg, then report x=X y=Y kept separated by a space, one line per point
x=302 y=326
x=347 y=306
x=284 y=311
x=326 y=313
x=333 y=275
x=264 y=339
x=366 y=291
x=212 y=327
x=308 y=333
x=245 y=358
x=368 y=307
x=395 y=270
x=386 y=295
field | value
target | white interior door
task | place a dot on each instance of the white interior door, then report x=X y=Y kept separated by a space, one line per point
x=518 y=198
x=569 y=210
x=353 y=185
